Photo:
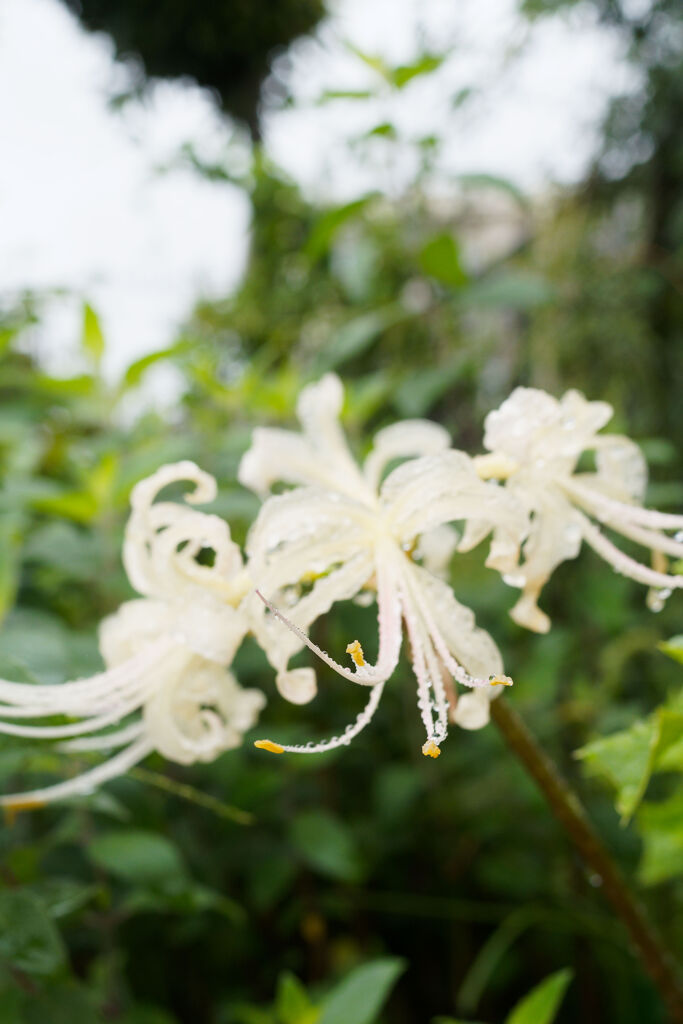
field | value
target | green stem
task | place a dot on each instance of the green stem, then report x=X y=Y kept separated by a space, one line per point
x=569 y=811
x=192 y=795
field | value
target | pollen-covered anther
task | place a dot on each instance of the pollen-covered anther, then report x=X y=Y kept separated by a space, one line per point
x=430 y=749
x=273 y=748
x=356 y=652
x=500 y=681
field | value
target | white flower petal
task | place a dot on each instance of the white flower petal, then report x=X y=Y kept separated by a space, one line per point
x=409 y=438
x=437 y=489
x=472 y=710
x=318 y=457
x=197 y=714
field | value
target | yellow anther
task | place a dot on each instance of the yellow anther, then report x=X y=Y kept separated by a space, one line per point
x=11 y=810
x=500 y=681
x=430 y=749
x=356 y=652
x=274 y=748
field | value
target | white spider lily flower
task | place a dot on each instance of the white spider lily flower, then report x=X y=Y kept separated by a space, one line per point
x=535 y=442
x=166 y=686
x=345 y=530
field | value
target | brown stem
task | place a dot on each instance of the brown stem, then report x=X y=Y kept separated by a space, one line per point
x=569 y=811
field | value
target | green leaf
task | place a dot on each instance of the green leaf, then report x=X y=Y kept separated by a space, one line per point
x=327 y=225
x=453 y=1020
x=661 y=829
x=624 y=760
x=29 y=940
x=509 y=289
x=372 y=61
x=357 y=335
x=81 y=506
x=92 y=338
x=10 y=541
x=361 y=995
x=628 y=759
x=137 y=856
x=416 y=395
x=138 y=369
x=179 y=895
x=673 y=647
x=385 y=130
x=62 y=896
x=292 y=1004
x=440 y=258
x=424 y=65
x=493 y=181
x=326 y=845
x=542 y=1003
x=62 y=1003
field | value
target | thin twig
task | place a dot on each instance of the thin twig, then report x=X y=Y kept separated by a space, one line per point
x=194 y=796
x=569 y=811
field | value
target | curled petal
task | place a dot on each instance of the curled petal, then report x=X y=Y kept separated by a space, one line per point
x=298 y=685
x=200 y=712
x=163 y=541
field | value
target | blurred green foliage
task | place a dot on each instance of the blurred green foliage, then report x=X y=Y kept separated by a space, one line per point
x=369 y=881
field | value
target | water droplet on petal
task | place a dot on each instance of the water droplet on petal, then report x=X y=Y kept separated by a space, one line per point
x=656 y=599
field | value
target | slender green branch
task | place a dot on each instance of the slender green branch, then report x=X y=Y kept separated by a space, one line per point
x=192 y=795
x=569 y=811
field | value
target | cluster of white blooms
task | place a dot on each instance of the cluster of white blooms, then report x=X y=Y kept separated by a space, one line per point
x=167 y=686
x=382 y=533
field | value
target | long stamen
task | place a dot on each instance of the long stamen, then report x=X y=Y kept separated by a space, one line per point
x=454 y=667
x=424 y=702
x=108 y=742
x=651 y=539
x=623 y=563
x=349 y=733
x=599 y=504
x=90 y=723
x=77 y=697
x=84 y=783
